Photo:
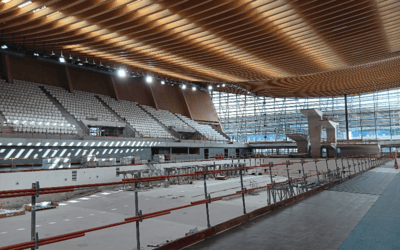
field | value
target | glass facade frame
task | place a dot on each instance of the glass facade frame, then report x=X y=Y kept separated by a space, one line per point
x=373 y=116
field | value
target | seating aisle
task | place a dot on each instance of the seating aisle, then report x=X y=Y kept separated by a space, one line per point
x=205 y=130
x=142 y=122
x=82 y=105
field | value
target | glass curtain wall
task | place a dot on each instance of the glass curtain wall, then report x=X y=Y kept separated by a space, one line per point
x=246 y=118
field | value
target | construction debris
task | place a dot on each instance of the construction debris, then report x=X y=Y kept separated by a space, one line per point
x=192 y=231
x=42 y=205
x=5 y=213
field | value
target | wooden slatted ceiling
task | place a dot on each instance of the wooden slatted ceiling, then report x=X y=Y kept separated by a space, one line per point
x=269 y=47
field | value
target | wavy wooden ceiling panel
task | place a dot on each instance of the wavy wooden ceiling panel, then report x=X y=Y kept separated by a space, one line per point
x=268 y=47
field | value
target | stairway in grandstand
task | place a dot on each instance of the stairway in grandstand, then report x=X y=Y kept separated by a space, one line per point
x=129 y=128
x=137 y=118
x=144 y=108
x=206 y=130
x=64 y=112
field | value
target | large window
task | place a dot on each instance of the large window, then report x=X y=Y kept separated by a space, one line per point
x=246 y=118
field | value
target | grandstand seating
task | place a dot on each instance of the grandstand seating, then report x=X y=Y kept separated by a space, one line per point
x=168 y=119
x=137 y=118
x=27 y=109
x=205 y=130
x=82 y=105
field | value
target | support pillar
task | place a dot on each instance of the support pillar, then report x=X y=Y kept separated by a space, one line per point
x=112 y=80
x=70 y=87
x=331 y=137
x=347 y=117
x=8 y=68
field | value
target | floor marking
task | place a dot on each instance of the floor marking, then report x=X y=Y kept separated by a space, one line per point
x=114 y=209
x=51 y=223
x=67 y=220
x=38 y=225
x=85 y=199
x=21 y=229
x=62 y=204
x=3 y=232
x=103 y=212
x=125 y=205
x=94 y=196
x=105 y=193
x=91 y=214
x=74 y=201
x=80 y=217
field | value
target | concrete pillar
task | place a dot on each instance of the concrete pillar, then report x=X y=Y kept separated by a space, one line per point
x=331 y=137
x=314 y=130
x=302 y=147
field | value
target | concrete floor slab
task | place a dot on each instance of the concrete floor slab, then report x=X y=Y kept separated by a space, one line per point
x=322 y=221
x=380 y=227
x=367 y=183
x=114 y=206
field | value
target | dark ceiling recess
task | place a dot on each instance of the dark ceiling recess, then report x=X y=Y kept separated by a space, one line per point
x=264 y=48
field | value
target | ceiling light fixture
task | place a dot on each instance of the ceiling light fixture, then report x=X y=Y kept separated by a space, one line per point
x=149 y=79
x=194 y=88
x=121 y=73
x=162 y=82
x=61 y=59
x=24 y=4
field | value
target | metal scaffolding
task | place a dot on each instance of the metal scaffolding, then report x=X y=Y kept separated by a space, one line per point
x=374 y=116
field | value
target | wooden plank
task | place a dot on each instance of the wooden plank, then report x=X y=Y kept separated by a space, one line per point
x=6 y=215
x=189 y=240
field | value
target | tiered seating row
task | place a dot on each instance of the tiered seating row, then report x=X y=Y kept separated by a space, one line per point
x=205 y=130
x=167 y=118
x=28 y=109
x=137 y=118
x=82 y=105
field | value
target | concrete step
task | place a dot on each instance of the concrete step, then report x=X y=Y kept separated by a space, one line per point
x=220 y=131
x=65 y=113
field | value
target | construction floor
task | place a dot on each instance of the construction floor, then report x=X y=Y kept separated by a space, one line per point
x=361 y=213
x=323 y=221
x=109 y=207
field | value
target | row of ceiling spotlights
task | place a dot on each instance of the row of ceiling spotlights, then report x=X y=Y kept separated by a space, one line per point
x=120 y=72
x=149 y=79
x=123 y=73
